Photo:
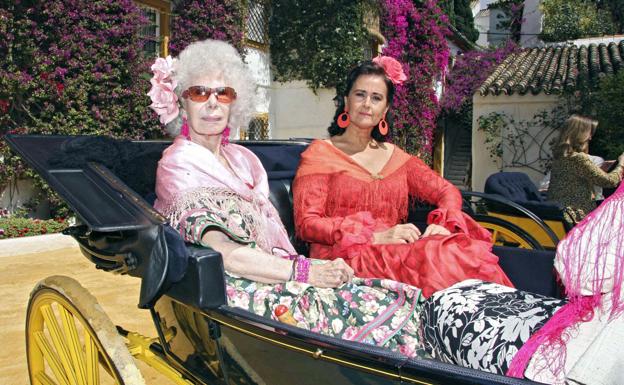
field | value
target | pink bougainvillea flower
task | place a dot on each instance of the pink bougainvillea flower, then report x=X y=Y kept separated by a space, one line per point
x=394 y=69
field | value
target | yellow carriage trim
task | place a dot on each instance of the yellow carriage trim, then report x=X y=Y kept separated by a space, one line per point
x=533 y=229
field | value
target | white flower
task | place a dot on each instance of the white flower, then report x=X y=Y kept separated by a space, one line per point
x=337 y=325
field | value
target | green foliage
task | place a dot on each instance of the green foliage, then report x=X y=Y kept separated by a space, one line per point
x=492 y=126
x=573 y=19
x=317 y=40
x=607 y=103
x=616 y=7
x=460 y=16
x=13 y=227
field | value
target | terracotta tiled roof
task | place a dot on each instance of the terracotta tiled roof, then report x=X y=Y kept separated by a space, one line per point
x=554 y=69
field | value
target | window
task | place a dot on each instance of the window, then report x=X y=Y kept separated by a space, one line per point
x=256 y=31
x=258 y=127
x=158 y=12
x=373 y=47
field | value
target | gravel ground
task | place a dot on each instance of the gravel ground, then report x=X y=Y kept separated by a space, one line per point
x=118 y=295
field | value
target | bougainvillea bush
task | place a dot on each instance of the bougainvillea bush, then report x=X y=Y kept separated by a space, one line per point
x=71 y=67
x=416 y=36
x=198 y=20
x=471 y=69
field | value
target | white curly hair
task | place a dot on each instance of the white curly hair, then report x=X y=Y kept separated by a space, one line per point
x=218 y=58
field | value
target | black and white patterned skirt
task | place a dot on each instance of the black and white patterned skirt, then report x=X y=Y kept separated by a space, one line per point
x=482 y=325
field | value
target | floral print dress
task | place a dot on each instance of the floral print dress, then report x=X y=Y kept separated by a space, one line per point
x=374 y=311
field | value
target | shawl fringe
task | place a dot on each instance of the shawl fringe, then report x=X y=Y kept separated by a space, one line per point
x=590 y=261
x=221 y=201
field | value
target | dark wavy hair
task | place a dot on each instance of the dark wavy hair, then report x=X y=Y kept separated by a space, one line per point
x=364 y=68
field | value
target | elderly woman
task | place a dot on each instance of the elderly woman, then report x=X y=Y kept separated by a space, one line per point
x=352 y=194
x=573 y=174
x=216 y=194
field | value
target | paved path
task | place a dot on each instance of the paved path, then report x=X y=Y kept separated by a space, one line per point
x=118 y=295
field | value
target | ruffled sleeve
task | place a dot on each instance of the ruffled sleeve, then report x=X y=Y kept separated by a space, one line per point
x=311 y=223
x=195 y=224
x=194 y=212
x=426 y=185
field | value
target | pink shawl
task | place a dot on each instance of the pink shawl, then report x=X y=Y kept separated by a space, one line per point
x=187 y=169
x=590 y=262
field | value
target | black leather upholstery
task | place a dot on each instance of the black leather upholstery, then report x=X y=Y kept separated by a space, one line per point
x=518 y=188
x=529 y=270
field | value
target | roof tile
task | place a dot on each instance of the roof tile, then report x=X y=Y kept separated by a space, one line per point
x=554 y=69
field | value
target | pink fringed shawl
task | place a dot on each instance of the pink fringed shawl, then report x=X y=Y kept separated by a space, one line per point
x=590 y=262
x=189 y=171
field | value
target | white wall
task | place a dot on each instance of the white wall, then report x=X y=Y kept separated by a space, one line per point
x=475 y=6
x=297 y=112
x=518 y=107
x=15 y=195
x=482 y=24
x=294 y=110
x=497 y=34
x=594 y=40
x=531 y=25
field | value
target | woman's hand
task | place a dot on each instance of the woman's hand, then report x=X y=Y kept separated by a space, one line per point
x=401 y=233
x=330 y=274
x=434 y=229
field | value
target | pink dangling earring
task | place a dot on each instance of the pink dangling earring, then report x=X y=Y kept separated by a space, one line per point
x=184 y=130
x=225 y=136
x=344 y=119
x=383 y=126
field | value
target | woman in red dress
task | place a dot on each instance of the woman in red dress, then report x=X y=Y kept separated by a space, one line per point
x=352 y=194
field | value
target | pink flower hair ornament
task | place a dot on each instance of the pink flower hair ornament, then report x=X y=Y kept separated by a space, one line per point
x=162 y=94
x=393 y=68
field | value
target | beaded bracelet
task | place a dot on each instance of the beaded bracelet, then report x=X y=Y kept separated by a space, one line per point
x=302 y=268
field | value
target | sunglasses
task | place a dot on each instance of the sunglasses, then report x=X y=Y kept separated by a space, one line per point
x=201 y=94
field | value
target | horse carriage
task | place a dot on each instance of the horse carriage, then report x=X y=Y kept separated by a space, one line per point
x=202 y=340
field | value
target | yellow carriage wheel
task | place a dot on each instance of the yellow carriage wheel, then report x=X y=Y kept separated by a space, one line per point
x=71 y=341
x=505 y=233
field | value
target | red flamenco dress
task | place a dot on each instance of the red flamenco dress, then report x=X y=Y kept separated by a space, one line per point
x=339 y=205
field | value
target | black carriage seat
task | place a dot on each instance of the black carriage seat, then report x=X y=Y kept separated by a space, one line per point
x=529 y=270
x=192 y=274
x=518 y=188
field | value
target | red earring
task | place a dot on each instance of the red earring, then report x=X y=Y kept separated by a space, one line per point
x=225 y=136
x=344 y=119
x=383 y=126
x=184 y=130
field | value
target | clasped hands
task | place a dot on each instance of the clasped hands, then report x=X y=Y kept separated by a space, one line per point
x=407 y=233
x=330 y=274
